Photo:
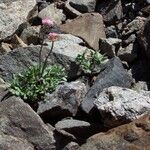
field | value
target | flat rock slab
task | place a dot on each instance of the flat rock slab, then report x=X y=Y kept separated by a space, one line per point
x=88 y=26
x=69 y=124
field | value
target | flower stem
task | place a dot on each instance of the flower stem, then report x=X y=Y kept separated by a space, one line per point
x=40 y=53
x=45 y=62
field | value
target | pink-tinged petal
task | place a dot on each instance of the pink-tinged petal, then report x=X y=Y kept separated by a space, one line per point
x=53 y=36
x=47 y=22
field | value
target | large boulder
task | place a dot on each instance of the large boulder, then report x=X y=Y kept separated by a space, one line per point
x=86 y=26
x=121 y=105
x=63 y=102
x=130 y=136
x=64 y=53
x=13 y=13
x=20 y=123
x=113 y=75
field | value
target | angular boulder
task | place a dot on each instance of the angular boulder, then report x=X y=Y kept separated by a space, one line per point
x=13 y=13
x=86 y=26
x=63 y=102
x=121 y=105
x=17 y=119
x=112 y=75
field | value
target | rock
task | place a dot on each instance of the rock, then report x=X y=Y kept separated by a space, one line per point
x=111 y=32
x=119 y=105
x=111 y=10
x=3 y=89
x=71 y=124
x=71 y=11
x=134 y=26
x=41 y=4
x=80 y=129
x=16 y=42
x=130 y=40
x=5 y=48
x=52 y=13
x=86 y=26
x=113 y=75
x=144 y=39
x=63 y=138
x=17 y=119
x=63 y=102
x=130 y=136
x=72 y=146
x=30 y=35
x=109 y=46
x=9 y=142
x=128 y=54
x=64 y=53
x=13 y=13
x=83 y=6
x=141 y=85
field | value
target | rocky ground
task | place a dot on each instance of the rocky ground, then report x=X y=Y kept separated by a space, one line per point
x=110 y=110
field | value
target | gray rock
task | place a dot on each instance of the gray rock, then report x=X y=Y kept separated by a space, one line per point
x=83 y=6
x=113 y=75
x=80 y=129
x=8 y=142
x=13 y=13
x=72 y=146
x=111 y=32
x=128 y=53
x=52 y=13
x=30 y=35
x=111 y=10
x=119 y=105
x=109 y=46
x=141 y=85
x=134 y=26
x=63 y=102
x=17 y=119
x=129 y=40
x=71 y=124
x=64 y=53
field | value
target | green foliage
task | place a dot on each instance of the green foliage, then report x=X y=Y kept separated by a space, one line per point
x=33 y=86
x=89 y=60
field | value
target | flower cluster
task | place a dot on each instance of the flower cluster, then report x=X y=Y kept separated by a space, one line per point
x=51 y=36
x=34 y=83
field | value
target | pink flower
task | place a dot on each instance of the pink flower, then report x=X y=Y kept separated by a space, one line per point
x=47 y=22
x=53 y=36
